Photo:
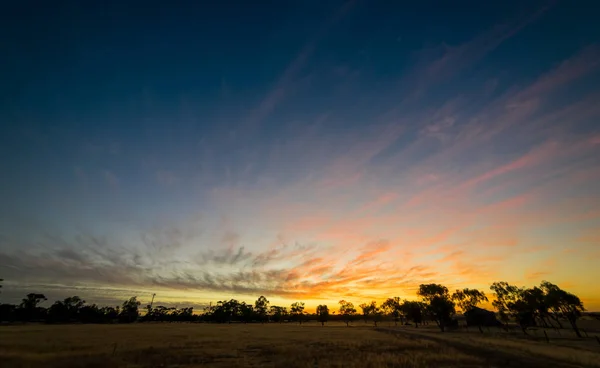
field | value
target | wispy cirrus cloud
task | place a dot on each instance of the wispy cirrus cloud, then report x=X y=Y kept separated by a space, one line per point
x=459 y=189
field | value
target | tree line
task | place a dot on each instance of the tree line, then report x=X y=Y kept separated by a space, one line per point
x=546 y=305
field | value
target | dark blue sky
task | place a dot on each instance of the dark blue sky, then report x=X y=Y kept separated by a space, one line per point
x=117 y=117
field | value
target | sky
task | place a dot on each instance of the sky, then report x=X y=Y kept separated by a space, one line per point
x=301 y=150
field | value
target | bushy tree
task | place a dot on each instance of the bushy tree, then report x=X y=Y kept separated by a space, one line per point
x=322 y=314
x=29 y=309
x=371 y=311
x=129 y=311
x=438 y=303
x=246 y=313
x=8 y=313
x=297 y=311
x=278 y=314
x=347 y=311
x=261 y=308
x=563 y=304
x=505 y=295
x=392 y=307
x=413 y=311
x=467 y=299
x=525 y=305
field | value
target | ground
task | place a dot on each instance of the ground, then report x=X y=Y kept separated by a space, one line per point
x=282 y=345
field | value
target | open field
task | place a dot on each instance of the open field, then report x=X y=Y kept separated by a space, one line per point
x=277 y=345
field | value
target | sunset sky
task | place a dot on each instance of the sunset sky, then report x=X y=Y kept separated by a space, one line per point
x=301 y=150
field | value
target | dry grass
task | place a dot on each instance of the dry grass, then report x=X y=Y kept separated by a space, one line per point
x=564 y=348
x=201 y=345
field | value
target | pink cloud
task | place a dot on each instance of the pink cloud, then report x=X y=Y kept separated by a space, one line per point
x=380 y=201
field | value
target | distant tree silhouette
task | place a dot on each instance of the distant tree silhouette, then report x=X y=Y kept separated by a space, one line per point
x=111 y=314
x=246 y=313
x=225 y=311
x=278 y=314
x=32 y=300
x=8 y=313
x=505 y=296
x=366 y=310
x=545 y=305
x=524 y=305
x=392 y=308
x=261 y=308
x=129 y=312
x=535 y=299
x=413 y=310
x=29 y=308
x=563 y=304
x=158 y=313
x=58 y=313
x=297 y=311
x=439 y=305
x=91 y=314
x=376 y=314
x=322 y=314
x=467 y=299
x=347 y=311
x=370 y=311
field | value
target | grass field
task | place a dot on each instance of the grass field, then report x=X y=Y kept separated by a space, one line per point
x=273 y=345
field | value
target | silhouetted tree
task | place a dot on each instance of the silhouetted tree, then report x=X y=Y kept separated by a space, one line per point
x=413 y=310
x=58 y=313
x=438 y=303
x=536 y=301
x=278 y=314
x=227 y=311
x=8 y=312
x=32 y=301
x=29 y=308
x=376 y=314
x=158 y=313
x=246 y=313
x=366 y=309
x=111 y=314
x=129 y=312
x=505 y=295
x=182 y=314
x=347 y=311
x=261 y=308
x=519 y=303
x=370 y=310
x=297 y=311
x=91 y=314
x=392 y=308
x=563 y=304
x=322 y=314
x=467 y=299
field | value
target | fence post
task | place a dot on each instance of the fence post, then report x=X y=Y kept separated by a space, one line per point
x=547 y=339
